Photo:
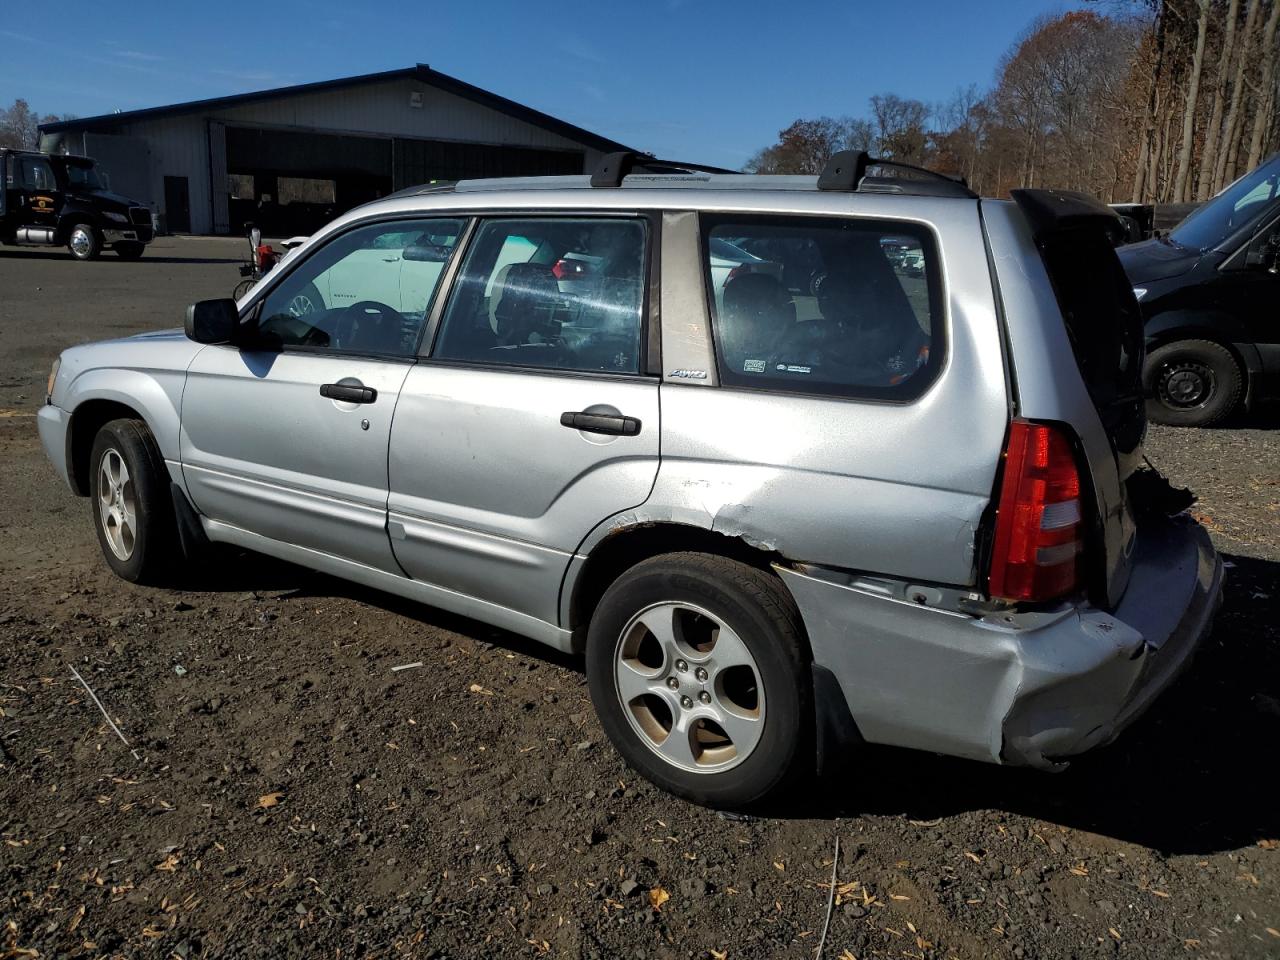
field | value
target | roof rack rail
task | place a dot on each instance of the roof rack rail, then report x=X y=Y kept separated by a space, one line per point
x=615 y=166
x=847 y=171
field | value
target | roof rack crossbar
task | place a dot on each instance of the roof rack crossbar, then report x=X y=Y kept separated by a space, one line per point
x=614 y=167
x=846 y=170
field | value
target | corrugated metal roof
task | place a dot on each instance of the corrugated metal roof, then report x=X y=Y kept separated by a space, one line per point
x=421 y=72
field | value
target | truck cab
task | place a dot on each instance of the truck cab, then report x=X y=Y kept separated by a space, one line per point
x=54 y=200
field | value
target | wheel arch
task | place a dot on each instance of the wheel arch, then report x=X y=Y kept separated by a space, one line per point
x=92 y=405
x=622 y=547
x=1172 y=326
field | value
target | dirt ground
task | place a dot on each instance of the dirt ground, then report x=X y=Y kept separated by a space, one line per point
x=292 y=796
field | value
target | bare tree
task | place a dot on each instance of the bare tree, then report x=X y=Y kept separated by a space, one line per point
x=19 y=127
x=1264 y=117
x=1180 y=192
x=1220 y=88
x=901 y=127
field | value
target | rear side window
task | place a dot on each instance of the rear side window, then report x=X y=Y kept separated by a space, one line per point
x=561 y=293
x=825 y=306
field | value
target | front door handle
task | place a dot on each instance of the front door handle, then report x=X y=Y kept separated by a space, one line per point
x=348 y=392
x=600 y=423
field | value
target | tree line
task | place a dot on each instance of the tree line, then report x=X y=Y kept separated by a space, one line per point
x=1162 y=101
x=19 y=125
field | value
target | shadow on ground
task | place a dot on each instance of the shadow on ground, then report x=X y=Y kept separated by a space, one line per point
x=1194 y=775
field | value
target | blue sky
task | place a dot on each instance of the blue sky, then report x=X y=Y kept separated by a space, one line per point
x=686 y=79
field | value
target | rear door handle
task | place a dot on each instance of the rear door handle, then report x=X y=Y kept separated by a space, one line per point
x=600 y=423
x=348 y=392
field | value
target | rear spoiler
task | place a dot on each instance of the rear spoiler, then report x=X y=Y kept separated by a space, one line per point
x=1056 y=211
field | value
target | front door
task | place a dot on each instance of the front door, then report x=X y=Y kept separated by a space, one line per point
x=286 y=437
x=39 y=198
x=177 y=205
x=533 y=420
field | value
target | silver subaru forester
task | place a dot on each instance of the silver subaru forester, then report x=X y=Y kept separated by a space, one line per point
x=798 y=463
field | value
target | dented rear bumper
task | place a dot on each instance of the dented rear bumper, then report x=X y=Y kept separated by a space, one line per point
x=1026 y=688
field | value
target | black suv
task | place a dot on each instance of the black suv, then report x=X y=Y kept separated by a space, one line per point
x=1210 y=295
x=61 y=201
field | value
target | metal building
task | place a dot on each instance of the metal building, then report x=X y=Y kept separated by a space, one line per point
x=292 y=158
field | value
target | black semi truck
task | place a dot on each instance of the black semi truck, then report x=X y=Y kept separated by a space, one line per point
x=61 y=201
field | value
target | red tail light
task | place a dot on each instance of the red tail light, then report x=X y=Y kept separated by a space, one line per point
x=571 y=270
x=1039 y=529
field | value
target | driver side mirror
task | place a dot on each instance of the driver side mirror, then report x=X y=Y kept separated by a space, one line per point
x=212 y=321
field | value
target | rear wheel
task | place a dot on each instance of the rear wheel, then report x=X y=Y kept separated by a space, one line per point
x=132 y=508
x=1192 y=383
x=697 y=668
x=129 y=249
x=83 y=242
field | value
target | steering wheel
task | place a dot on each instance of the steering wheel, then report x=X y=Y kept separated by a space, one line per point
x=369 y=325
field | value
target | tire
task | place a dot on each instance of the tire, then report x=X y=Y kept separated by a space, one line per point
x=243 y=287
x=1192 y=383
x=129 y=249
x=83 y=242
x=132 y=511
x=714 y=703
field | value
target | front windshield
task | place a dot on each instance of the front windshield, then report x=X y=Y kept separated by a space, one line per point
x=1236 y=207
x=86 y=177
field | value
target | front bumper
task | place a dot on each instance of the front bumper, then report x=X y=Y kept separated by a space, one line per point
x=52 y=422
x=1026 y=688
x=128 y=235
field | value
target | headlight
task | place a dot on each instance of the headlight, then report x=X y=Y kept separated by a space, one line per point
x=117 y=217
x=1139 y=292
x=53 y=376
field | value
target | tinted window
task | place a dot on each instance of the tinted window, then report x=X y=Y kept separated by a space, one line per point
x=846 y=307
x=367 y=291
x=549 y=293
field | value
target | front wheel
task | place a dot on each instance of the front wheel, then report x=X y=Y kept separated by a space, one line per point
x=697 y=667
x=129 y=249
x=83 y=242
x=132 y=507
x=1192 y=383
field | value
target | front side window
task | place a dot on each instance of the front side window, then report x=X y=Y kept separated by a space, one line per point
x=367 y=291
x=37 y=174
x=826 y=306
x=562 y=293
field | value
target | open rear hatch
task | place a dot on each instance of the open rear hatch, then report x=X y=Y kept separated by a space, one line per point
x=1075 y=235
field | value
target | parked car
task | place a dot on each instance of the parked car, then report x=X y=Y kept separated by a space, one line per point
x=52 y=200
x=1210 y=292
x=776 y=529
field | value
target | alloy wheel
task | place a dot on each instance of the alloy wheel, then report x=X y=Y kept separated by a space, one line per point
x=689 y=687
x=117 y=504
x=81 y=242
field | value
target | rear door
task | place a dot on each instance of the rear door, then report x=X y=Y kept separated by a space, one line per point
x=534 y=417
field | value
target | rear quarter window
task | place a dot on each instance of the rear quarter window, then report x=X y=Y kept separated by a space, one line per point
x=819 y=305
